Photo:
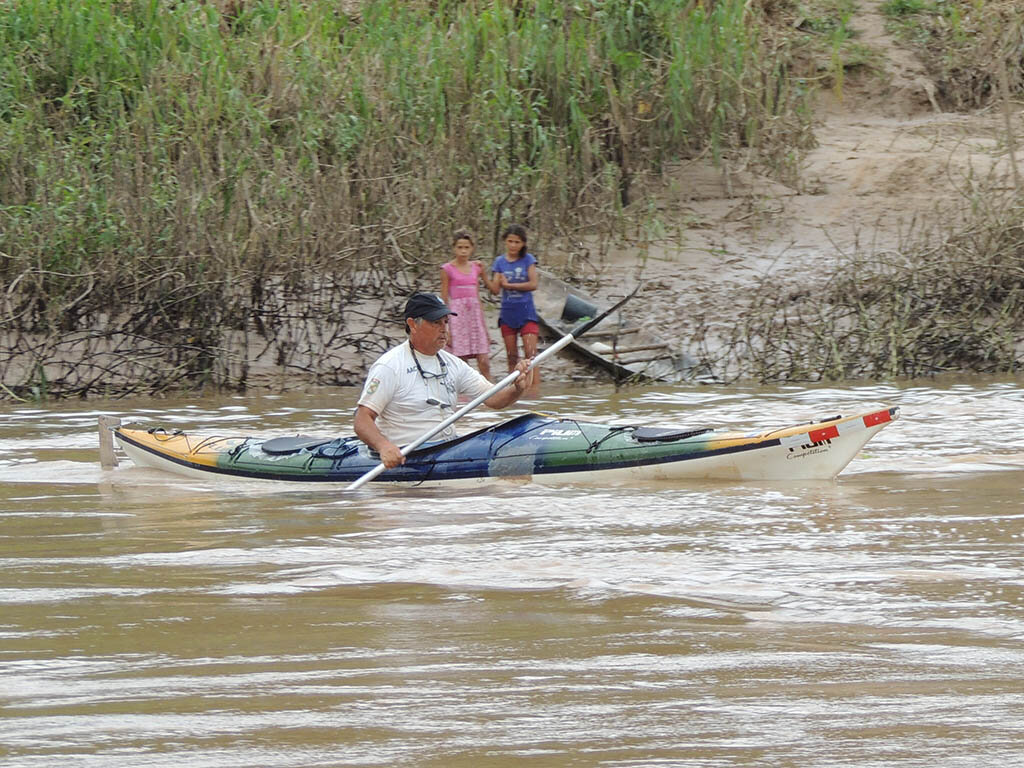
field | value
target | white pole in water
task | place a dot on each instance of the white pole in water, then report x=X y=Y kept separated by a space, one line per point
x=108 y=459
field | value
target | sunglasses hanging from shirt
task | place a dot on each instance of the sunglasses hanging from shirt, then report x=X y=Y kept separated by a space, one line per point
x=428 y=375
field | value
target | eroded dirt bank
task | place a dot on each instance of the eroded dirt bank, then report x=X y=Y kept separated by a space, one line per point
x=889 y=165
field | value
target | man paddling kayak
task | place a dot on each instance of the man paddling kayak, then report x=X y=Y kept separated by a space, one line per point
x=414 y=386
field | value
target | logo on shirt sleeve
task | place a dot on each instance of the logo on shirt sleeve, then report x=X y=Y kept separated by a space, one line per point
x=372 y=385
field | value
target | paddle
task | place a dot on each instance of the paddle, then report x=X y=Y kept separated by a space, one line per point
x=567 y=339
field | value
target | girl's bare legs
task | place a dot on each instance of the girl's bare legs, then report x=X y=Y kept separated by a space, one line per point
x=483 y=364
x=511 y=351
x=530 y=351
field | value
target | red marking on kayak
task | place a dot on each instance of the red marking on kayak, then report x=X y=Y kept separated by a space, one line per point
x=825 y=433
x=878 y=417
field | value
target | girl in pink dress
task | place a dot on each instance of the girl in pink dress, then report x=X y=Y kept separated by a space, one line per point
x=460 y=281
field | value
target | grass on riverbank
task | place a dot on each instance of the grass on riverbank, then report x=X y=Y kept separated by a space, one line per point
x=174 y=173
x=948 y=299
x=195 y=193
x=972 y=48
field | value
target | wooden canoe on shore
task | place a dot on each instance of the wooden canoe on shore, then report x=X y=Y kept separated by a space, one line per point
x=624 y=349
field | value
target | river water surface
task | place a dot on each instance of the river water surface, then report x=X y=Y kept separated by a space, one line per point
x=147 y=620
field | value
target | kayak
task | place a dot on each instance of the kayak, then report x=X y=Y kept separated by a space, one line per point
x=534 y=446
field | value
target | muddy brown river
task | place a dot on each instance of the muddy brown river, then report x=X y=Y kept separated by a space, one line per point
x=874 y=621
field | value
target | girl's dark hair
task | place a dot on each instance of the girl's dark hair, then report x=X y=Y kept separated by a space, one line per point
x=463 y=234
x=519 y=231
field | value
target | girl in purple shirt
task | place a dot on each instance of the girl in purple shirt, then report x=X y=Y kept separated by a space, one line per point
x=514 y=274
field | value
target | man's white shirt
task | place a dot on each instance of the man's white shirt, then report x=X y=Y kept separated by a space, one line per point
x=398 y=394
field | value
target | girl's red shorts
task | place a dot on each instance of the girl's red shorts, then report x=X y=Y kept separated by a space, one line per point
x=528 y=327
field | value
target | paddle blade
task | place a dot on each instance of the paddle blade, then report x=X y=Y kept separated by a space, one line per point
x=586 y=326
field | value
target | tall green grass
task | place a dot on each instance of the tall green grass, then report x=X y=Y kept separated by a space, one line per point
x=181 y=170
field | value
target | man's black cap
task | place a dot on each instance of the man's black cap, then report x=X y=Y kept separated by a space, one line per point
x=428 y=306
